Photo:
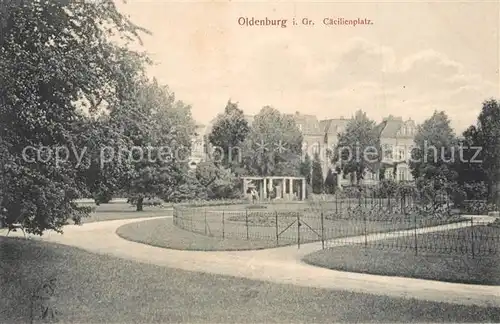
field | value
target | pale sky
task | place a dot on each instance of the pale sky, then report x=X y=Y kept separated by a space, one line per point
x=413 y=59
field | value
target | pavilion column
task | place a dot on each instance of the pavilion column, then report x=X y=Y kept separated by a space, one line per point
x=283 y=188
x=245 y=187
x=264 y=192
x=290 y=191
x=270 y=187
x=261 y=187
x=303 y=193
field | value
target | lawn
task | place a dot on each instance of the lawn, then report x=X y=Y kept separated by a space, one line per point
x=443 y=256
x=163 y=233
x=94 y=288
x=122 y=210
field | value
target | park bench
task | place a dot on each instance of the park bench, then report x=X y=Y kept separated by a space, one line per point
x=12 y=227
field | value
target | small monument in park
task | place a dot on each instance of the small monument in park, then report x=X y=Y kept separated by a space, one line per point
x=275 y=188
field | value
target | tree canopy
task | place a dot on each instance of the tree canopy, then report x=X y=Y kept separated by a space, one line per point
x=228 y=133
x=273 y=146
x=55 y=57
x=358 y=146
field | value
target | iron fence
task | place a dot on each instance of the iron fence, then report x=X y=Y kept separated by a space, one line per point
x=398 y=223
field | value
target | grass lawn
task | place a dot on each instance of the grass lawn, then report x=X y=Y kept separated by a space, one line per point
x=443 y=256
x=93 y=288
x=163 y=233
x=122 y=210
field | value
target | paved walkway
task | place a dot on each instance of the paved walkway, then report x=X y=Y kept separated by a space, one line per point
x=279 y=265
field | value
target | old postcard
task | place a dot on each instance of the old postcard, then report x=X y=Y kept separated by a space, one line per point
x=249 y=161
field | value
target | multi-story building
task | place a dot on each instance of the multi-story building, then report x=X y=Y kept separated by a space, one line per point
x=321 y=137
x=397 y=141
x=198 y=146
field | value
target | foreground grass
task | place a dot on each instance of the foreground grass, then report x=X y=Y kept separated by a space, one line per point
x=443 y=256
x=94 y=288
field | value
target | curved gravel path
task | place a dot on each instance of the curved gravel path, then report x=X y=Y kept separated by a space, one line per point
x=278 y=265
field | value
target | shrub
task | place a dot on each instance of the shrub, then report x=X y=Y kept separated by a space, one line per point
x=475 y=207
x=475 y=190
x=256 y=207
x=102 y=197
x=147 y=201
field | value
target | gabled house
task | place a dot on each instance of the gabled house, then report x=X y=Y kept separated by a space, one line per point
x=397 y=142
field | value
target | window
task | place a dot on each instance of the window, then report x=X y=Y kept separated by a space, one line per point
x=315 y=149
x=402 y=175
x=388 y=152
x=401 y=155
x=388 y=173
x=304 y=149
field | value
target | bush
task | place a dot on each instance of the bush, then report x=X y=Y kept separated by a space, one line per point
x=350 y=192
x=102 y=197
x=256 y=207
x=475 y=207
x=210 y=203
x=475 y=190
x=146 y=202
x=387 y=188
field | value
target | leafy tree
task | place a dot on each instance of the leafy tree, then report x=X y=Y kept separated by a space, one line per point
x=189 y=189
x=359 y=146
x=273 y=146
x=219 y=182
x=159 y=142
x=432 y=162
x=228 y=133
x=317 y=175
x=330 y=182
x=306 y=168
x=487 y=136
x=102 y=180
x=55 y=57
x=435 y=144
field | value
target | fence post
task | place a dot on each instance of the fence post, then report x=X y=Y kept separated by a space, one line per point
x=415 y=233
x=364 y=222
x=472 y=235
x=223 y=225
x=246 y=221
x=322 y=231
x=205 y=220
x=191 y=220
x=298 y=230
x=277 y=233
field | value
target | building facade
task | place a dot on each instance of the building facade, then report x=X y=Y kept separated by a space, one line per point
x=397 y=141
x=198 y=146
x=321 y=137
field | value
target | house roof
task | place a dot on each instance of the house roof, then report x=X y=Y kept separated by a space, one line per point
x=308 y=123
x=333 y=126
x=392 y=126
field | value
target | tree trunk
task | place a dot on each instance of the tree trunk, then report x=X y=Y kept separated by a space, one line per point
x=491 y=192
x=140 y=204
x=496 y=200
